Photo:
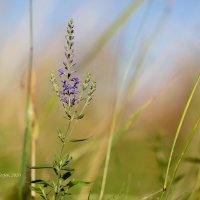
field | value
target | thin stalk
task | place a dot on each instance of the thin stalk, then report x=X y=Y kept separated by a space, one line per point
x=81 y=112
x=108 y=156
x=57 y=194
x=188 y=142
x=151 y=195
x=116 y=110
x=177 y=135
x=33 y=163
x=29 y=116
x=68 y=132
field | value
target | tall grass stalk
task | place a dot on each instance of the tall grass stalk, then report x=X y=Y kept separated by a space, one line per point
x=25 y=174
x=113 y=124
x=118 y=136
x=177 y=135
x=108 y=153
x=115 y=116
x=187 y=144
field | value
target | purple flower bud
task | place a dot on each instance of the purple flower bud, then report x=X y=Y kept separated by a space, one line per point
x=73 y=101
x=69 y=84
x=61 y=71
x=63 y=100
x=75 y=79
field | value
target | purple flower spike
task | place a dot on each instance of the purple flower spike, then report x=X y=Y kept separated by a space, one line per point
x=69 y=84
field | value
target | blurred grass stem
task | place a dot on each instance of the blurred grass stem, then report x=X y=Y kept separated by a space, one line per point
x=188 y=142
x=177 y=135
x=25 y=173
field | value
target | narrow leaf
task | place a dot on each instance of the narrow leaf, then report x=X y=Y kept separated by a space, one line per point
x=42 y=182
x=43 y=166
x=73 y=183
x=80 y=116
x=193 y=160
x=178 y=133
x=178 y=178
x=66 y=175
x=130 y=122
x=77 y=140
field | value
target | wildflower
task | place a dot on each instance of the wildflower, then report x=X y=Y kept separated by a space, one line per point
x=71 y=94
x=68 y=87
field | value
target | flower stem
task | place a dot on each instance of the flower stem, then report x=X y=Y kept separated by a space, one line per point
x=57 y=194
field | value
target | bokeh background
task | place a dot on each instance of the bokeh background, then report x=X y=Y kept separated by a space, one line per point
x=151 y=53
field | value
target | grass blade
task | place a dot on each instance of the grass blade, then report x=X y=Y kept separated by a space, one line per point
x=130 y=122
x=188 y=142
x=192 y=160
x=177 y=134
x=23 y=191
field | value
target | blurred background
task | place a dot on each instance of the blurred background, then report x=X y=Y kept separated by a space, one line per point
x=138 y=51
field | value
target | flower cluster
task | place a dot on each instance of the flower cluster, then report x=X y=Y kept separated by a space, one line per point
x=68 y=87
x=69 y=83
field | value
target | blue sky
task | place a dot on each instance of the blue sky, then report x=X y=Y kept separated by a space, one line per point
x=184 y=17
x=180 y=30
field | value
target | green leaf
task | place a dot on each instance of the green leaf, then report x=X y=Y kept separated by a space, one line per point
x=80 y=116
x=130 y=122
x=194 y=160
x=69 y=169
x=60 y=135
x=77 y=140
x=178 y=131
x=40 y=191
x=178 y=178
x=66 y=175
x=56 y=171
x=74 y=183
x=43 y=166
x=66 y=160
x=68 y=116
x=42 y=182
